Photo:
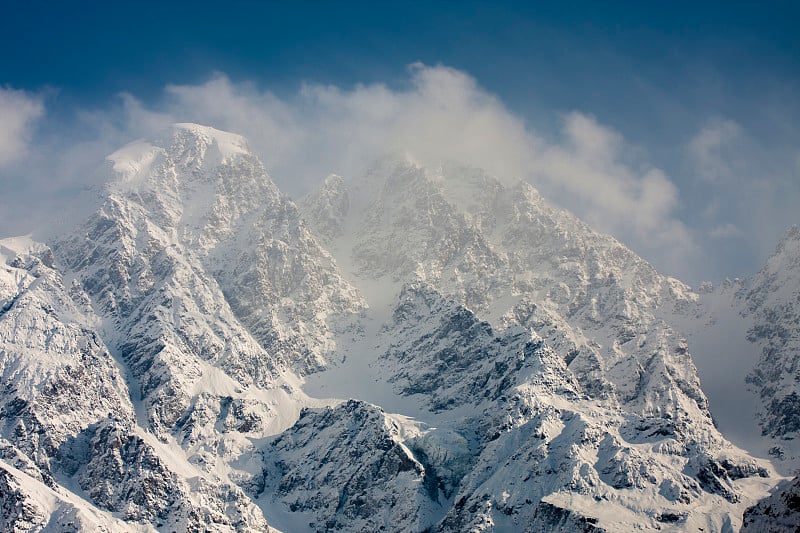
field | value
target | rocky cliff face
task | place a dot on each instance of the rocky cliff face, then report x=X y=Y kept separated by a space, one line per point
x=184 y=360
x=347 y=468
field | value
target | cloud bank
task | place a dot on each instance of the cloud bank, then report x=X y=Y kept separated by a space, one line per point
x=441 y=114
x=750 y=184
x=18 y=113
x=711 y=149
x=438 y=114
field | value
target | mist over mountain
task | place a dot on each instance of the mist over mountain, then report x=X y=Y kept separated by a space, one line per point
x=419 y=347
x=707 y=198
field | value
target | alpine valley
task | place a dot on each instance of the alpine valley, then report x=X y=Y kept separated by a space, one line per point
x=413 y=349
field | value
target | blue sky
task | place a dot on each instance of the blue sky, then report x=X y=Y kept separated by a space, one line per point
x=689 y=111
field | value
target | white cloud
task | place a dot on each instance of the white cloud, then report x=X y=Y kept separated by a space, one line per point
x=591 y=174
x=18 y=111
x=745 y=189
x=725 y=231
x=441 y=114
x=711 y=149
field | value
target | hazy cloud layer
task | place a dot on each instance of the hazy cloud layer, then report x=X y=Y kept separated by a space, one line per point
x=725 y=231
x=712 y=149
x=443 y=114
x=751 y=187
x=439 y=114
x=597 y=174
x=18 y=112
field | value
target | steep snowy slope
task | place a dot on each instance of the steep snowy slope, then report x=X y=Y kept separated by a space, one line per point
x=771 y=302
x=503 y=253
x=347 y=468
x=201 y=195
x=27 y=504
x=211 y=292
x=754 y=330
x=193 y=243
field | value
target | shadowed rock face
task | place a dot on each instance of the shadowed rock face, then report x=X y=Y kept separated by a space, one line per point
x=451 y=357
x=121 y=473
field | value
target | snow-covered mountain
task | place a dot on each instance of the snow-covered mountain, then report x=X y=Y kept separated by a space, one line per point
x=411 y=349
x=509 y=309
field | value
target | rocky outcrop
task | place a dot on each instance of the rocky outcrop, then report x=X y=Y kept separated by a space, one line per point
x=778 y=513
x=347 y=469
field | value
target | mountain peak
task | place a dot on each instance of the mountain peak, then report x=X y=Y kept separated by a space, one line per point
x=333 y=181
x=190 y=145
x=327 y=207
x=227 y=143
x=786 y=257
x=790 y=240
